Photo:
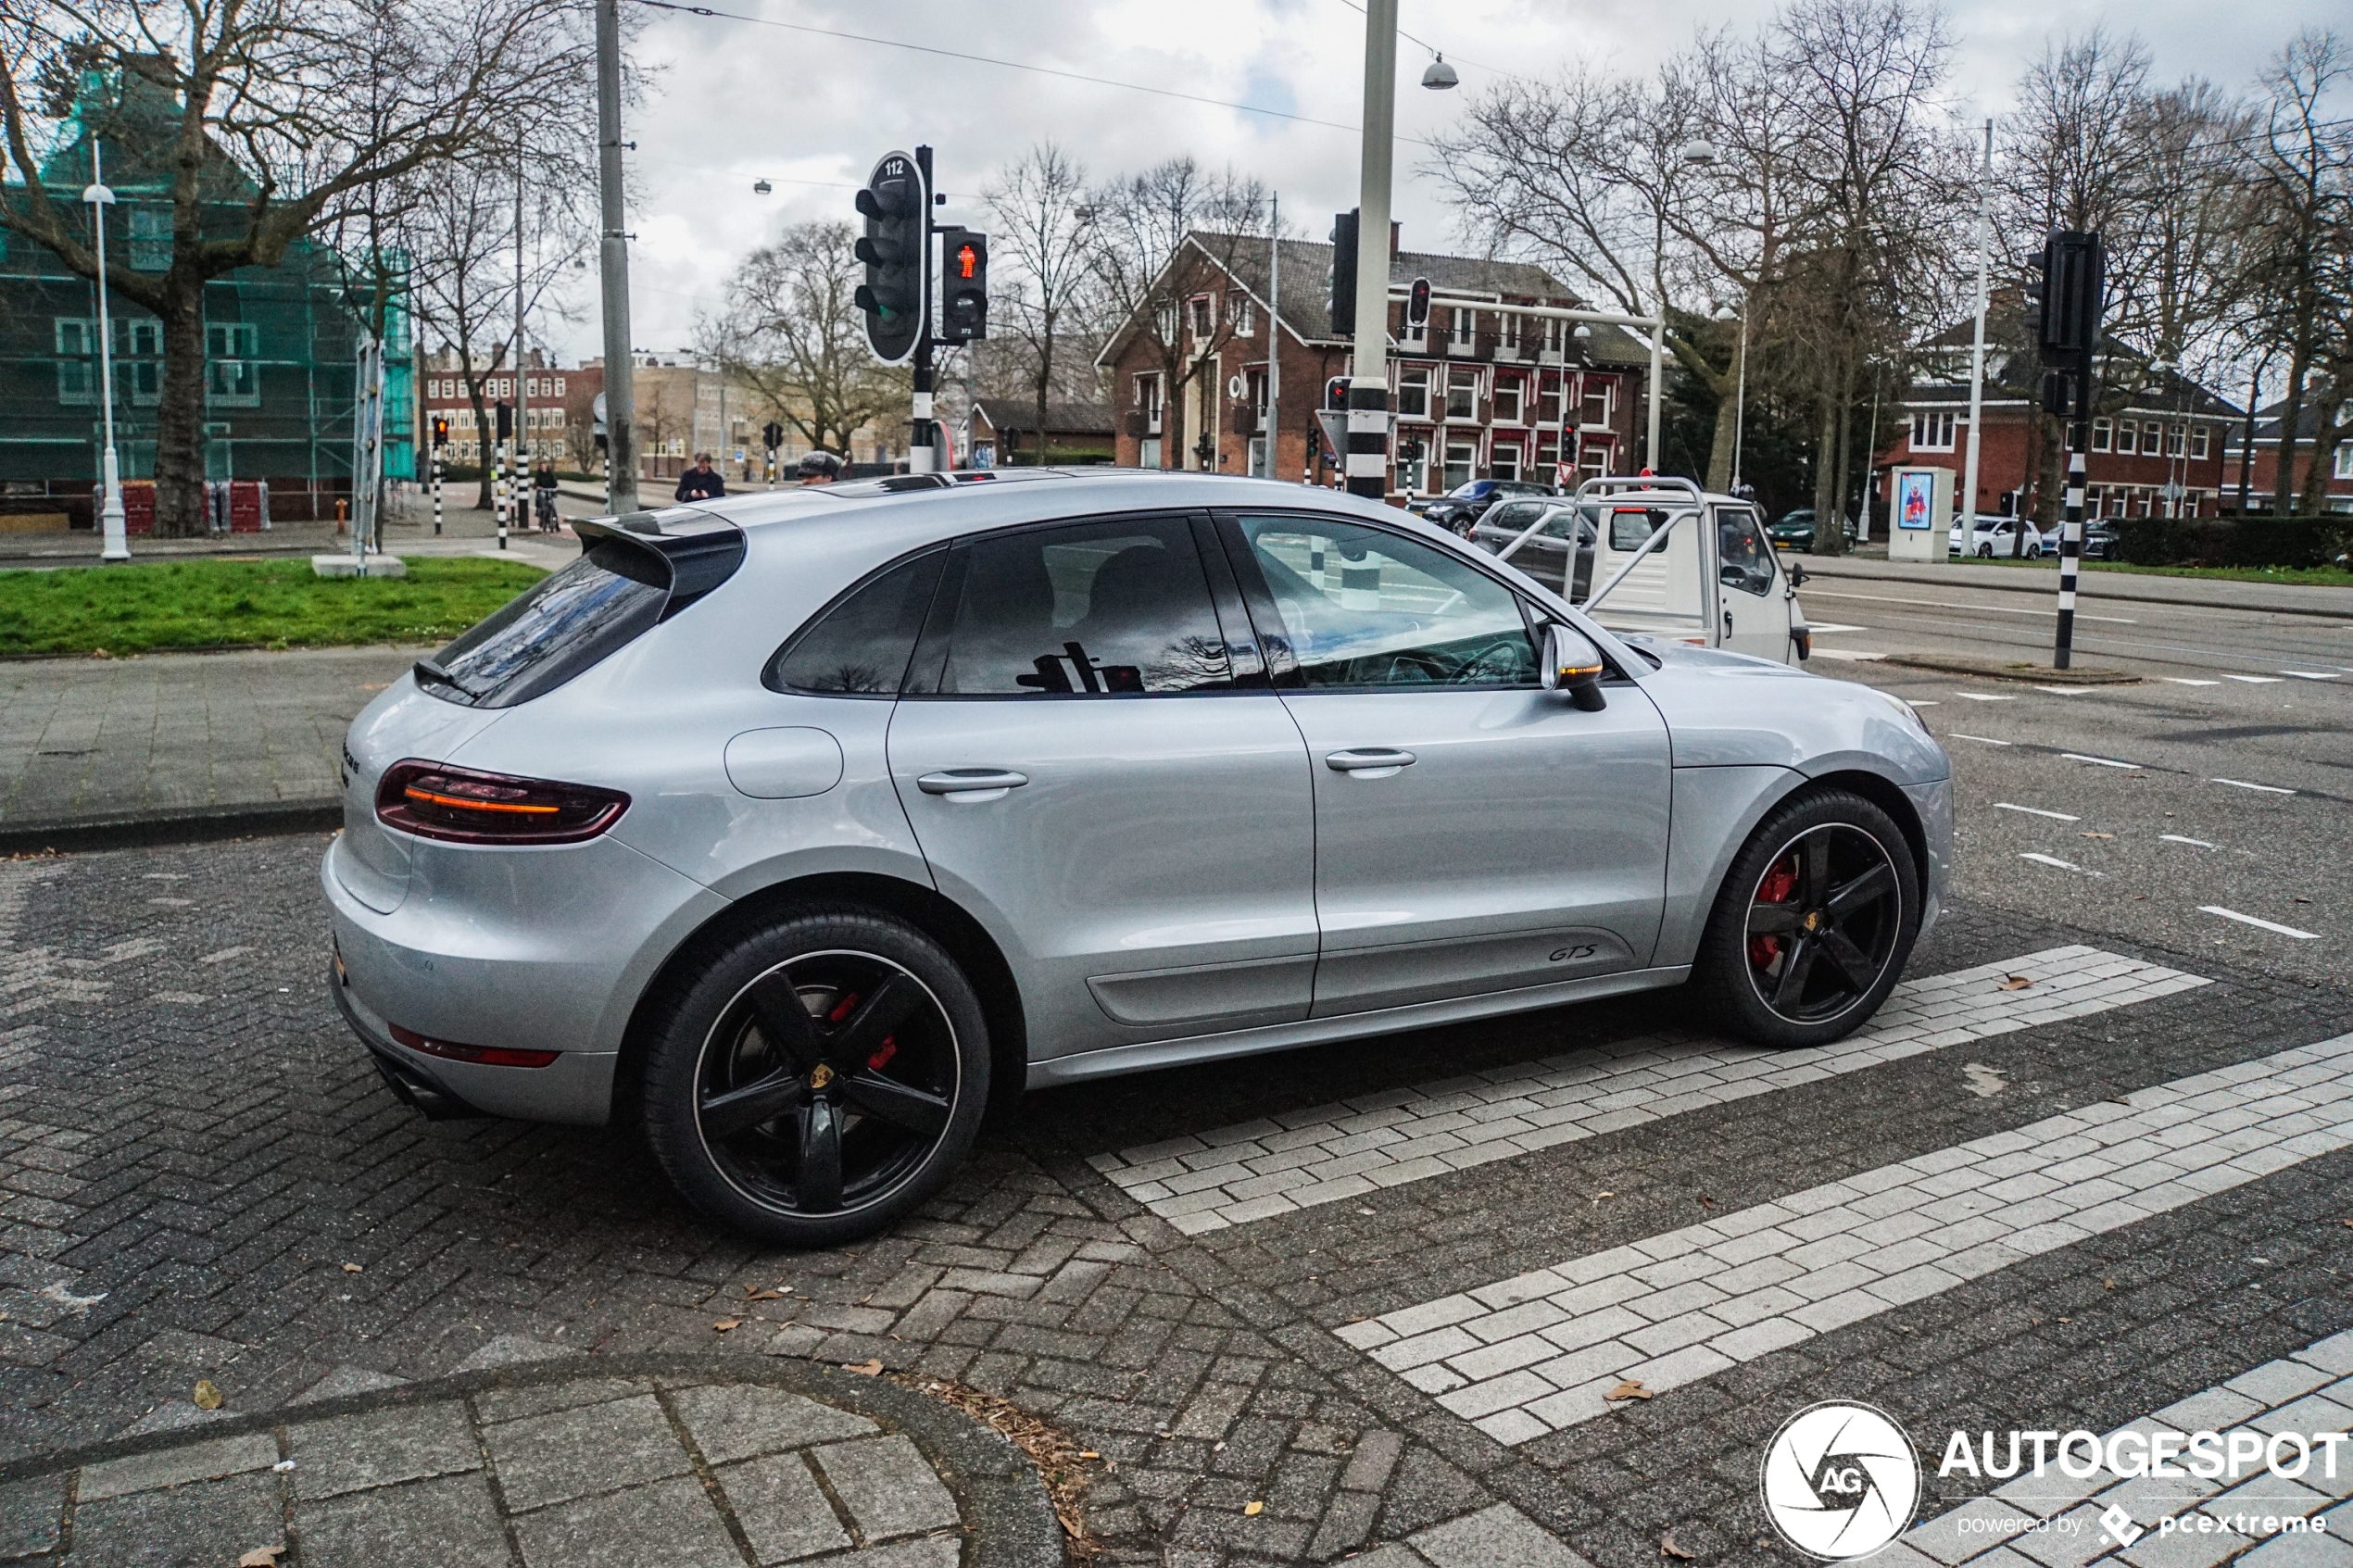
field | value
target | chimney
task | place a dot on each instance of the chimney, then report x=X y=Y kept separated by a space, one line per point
x=1394 y=226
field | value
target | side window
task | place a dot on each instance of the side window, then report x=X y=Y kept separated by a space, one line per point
x=861 y=646
x=1091 y=609
x=1513 y=515
x=1630 y=528
x=1744 y=556
x=1361 y=606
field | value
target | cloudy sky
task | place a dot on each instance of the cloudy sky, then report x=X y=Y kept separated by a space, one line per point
x=734 y=101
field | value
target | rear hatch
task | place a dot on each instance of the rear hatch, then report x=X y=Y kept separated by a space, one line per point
x=633 y=573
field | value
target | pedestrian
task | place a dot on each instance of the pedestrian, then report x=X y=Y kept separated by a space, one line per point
x=701 y=482
x=820 y=467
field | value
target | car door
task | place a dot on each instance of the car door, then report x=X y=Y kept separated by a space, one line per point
x=1095 y=765
x=1473 y=831
x=1752 y=612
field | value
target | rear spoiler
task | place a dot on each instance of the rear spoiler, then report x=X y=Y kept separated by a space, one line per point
x=696 y=550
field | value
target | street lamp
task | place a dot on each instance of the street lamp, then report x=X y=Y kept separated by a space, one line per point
x=1740 y=391
x=115 y=547
x=1439 y=76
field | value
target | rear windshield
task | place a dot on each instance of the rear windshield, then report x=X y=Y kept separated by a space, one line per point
x=565 y=624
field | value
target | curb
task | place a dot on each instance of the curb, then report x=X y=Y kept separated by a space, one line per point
x=2046 y=590
x=202 y=824
x=2032 y=675
x=1011 y=1520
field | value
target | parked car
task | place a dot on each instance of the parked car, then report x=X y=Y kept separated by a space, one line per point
x=2099 y=539
x=802 y=825
x=1468 y=502
x=1549 y=555
x=1795 y=530
x=1994 y=536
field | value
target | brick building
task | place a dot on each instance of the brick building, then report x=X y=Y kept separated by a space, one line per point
x=1478 y=393
x=558 y=407
x=2262 y=475
x=1004 y=429
x=2162 y=453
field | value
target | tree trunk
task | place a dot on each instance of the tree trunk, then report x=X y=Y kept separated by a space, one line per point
x=2283 y=487
x=1719 y=447
x=180 y=512
x=1836 y=533
x=2050 y=483
x=2326 y=434
x=1824 y=477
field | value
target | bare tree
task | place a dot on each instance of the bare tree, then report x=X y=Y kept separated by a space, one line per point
x=261 y=117
x=1044 y=227
x=792 y=331
x=1141 y=274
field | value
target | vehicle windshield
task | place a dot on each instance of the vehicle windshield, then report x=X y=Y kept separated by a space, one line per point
x=1470 y=490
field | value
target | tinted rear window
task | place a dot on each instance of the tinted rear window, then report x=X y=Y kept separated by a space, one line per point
x=565 y=624
x=860 y=647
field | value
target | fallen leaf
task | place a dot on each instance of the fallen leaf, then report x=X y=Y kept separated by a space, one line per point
x=208 y=1394
x=2099 y=835
x=2301 y=899
x=353 y=1269
x=754 y=1293
x=1253 y=1509
x=1089 y=1453
x=2016 y=982
x=1628 y=1389
x=2067 y=1320
x=867 y=1369
x=727 y=1324
x=261 y=1557
x=1666 y=1548
x=2107 y=1285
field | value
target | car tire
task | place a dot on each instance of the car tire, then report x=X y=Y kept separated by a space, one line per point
x=2034 y=552
x=1985 y=552
x=879 y=1088
x=1842 y=871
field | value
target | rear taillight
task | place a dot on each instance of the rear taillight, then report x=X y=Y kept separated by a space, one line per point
x=466 y=806
x=487 y=1055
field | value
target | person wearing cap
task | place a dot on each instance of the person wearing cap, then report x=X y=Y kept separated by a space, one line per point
x=701 y=482
x=820 y=468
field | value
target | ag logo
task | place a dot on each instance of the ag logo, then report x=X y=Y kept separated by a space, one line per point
x=1839 y=1480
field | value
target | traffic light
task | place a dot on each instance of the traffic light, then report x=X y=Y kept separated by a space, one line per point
x=963 y=291
x=1418 y=305
x=772 y=436
x=2067 y=324
x=1336 y=393
x=440 y=429
x=506 y=427
x=898 y=212
x=1344 y=273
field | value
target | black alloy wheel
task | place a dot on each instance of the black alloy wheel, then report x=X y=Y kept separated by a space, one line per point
x=1822 y=923
x=825 y=1082
x=1812 y=925
x=811 y=1080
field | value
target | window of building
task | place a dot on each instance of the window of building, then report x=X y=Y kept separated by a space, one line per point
x=1548 y=453
x=1203 y=319
x=1509 y=393
x=1165 y=320
x=1504 y=463
x=1412 y=392
x=77 y=373
x=1460 y=456
x=2198 y=439
x=2175 y=437
x=1462 y=394
x=1148 y=452
x=2093 y=495
x=2103 y=435
x=1148 y=398
x=231 y=374
x=1553 y=330
x=1462 y=329
x=1243 y=311
x=1600 y=395
x=1507 y=331
x=2128 y=436
x=1932 y=429
x=2343 y=467
x=150 y=239
x=1548 y=399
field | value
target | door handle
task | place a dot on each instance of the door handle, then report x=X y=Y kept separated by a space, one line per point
x=1378 y=761
x=1727 y=623
x=971 y=780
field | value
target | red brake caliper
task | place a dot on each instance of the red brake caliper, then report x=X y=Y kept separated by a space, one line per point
x=1778 y=883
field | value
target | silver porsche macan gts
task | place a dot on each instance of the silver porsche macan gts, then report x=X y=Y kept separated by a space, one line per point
x=801 y=825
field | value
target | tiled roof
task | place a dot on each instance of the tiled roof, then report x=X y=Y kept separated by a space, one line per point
x=1062 y=419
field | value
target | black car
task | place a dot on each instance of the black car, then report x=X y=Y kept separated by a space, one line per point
x=1468 y=502
x=1545 y=557
x=2099 y=539
x=1795 y=530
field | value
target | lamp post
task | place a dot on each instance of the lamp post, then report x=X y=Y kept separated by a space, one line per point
x=1740 y=387
x=1967 y=503
x=116 y=546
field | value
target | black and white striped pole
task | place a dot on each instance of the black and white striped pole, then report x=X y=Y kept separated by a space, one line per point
x=2069 y=331
x=1366 y=459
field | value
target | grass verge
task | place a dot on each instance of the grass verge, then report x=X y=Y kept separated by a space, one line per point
x=159 y=606
x=2301 y=576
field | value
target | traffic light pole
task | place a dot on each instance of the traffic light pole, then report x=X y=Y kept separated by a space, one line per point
x=620 y=406
x=922 y=439
x=436 y=489
x=1367 y=456
x=2079 y=441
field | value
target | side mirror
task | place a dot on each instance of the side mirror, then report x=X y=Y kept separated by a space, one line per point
x=1572 y=665
x=1797 y=575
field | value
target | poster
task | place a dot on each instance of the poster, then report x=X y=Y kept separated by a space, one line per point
x=1915 y=499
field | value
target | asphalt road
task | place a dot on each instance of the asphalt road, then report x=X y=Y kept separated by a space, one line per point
x=2238 y=734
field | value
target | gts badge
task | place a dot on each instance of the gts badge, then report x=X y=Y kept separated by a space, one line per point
x=1575 y=954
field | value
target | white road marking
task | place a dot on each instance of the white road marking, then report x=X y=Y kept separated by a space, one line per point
x=2067 y=691
x=2255 y=680
x=2177 y=838
x=1825 y=630
x=1541 y=1351
x=2185 y=681
x=1850 y=655
x=2054 y=860
x=2242 y=783
x=2265 y=924
x=1931 y=702
x=2101 y=761
x=1987 y=696
x=2035 y=811
x=1960 y=610
x=2312 y=674
x=2314 y=1380
x=1322 y=1154
x=1981 y=740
